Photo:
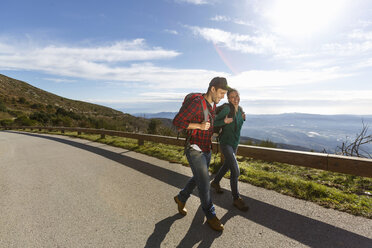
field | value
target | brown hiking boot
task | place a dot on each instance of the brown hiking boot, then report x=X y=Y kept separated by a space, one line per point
x=240 y=204
x=181 y=206
x=215 y=224
x=217 y=187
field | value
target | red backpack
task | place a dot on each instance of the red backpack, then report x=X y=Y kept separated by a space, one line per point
x=188 y=99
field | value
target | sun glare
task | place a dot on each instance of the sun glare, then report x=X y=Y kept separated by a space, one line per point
x=298 y=18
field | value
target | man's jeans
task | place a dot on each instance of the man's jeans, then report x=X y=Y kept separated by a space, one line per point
x=232 y=165
x=199 y=163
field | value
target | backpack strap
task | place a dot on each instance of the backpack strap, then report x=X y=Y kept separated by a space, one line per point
x=205 y=109
x=206 y=113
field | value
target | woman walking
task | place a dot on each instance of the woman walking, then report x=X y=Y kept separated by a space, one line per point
x=230 y=118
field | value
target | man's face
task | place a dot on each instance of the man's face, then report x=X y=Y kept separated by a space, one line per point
x=218 y=94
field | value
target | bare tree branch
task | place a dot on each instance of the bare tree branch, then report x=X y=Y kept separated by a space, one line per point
x=356 y=147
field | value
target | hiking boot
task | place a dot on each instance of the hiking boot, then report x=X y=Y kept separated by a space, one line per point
x=181 y=206
x=240 y=204
x=217 y=187
x=215 y=224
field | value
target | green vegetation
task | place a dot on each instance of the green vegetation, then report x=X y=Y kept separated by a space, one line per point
x=332 y=190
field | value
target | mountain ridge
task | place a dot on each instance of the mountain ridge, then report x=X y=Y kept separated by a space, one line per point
x=13 y=88
x=24 y=104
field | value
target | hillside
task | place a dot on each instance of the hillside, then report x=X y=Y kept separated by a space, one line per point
x=24 y=104
x=11 y=90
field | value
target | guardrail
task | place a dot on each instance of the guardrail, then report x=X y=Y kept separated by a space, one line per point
x=329 y=162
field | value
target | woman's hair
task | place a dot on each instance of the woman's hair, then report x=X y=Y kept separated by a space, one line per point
x=231 y=90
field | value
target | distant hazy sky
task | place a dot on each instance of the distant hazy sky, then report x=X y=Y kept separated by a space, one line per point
x=309 y=56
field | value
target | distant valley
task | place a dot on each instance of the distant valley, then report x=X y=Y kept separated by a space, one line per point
x=310 y=131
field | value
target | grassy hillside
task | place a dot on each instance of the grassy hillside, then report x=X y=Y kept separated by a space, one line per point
x=24 y=104
x=12 y=91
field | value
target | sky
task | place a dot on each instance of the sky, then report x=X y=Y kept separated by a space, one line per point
x=144 y=56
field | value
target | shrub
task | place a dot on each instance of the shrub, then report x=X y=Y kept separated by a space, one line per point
x=2 y=107
x=41 y=117
x=6 y=123
x=22 y=100
x=24 y=121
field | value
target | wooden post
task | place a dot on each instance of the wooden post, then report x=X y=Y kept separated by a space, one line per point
x=79 y=132
x=102 y=136
x=141 y=142
x=62 y=131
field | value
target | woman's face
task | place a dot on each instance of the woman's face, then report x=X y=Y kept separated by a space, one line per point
x=234 y=98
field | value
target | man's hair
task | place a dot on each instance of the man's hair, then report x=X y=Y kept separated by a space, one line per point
x=218 y=83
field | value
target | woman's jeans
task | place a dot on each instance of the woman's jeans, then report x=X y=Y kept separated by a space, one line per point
x=230 y=164
x=199 y=163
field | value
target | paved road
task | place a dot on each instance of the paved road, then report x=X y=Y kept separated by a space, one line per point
x=57 y=191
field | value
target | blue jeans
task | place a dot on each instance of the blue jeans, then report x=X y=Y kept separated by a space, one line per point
x=199 y=163
x=230 y=164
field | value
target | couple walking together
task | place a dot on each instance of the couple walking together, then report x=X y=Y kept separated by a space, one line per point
x=198 y=116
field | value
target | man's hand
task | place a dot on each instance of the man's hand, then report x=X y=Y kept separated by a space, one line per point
x=228 y=120
x=243 y=115
x=205 y=126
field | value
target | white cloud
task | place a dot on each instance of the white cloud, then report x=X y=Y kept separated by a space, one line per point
x=348 y=48
x=102 y=63
x=364 y=64
x=149 y=97
x=135 y=50
x=359 y=34
x=220 y=18
x=356 y=44
x=313 y=134
x=272 y=94
x=243 y=43
x=364 y=23
x=60 y=80
x=273 y=78
x=245 y=23
x=171 y=31
x=96 y=63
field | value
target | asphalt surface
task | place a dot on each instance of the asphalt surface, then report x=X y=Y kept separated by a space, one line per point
x=57 y=191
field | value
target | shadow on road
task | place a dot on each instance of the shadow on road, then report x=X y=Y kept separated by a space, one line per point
x=199 y=232
x=305 y=230
x=161 y=230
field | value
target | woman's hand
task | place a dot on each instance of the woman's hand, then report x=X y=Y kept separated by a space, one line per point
x=228 y=120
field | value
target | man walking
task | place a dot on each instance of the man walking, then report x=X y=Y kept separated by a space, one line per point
x=197 y=115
